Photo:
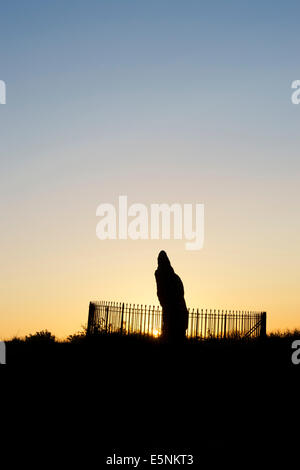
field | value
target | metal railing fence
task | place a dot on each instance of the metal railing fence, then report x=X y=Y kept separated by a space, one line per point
x=117 y=317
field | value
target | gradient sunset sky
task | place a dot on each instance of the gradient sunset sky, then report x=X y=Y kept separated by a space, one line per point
x=162 y=101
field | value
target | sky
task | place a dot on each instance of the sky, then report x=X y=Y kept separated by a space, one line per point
x=165 y=102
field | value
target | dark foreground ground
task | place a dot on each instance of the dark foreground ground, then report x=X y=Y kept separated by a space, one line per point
x=222 y=401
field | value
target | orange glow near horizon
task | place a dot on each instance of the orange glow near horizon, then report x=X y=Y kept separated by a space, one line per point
x=57 y=294
x=55 y=265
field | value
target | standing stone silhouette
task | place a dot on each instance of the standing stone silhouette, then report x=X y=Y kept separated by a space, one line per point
x=170 y=293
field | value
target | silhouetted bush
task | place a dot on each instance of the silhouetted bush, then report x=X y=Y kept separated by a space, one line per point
x=79 y=336
x=76 y=337
x=285 y=334
x=15 y=340
x=43 y=336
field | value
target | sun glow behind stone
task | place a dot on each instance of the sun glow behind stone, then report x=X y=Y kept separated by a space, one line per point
x=156 y=333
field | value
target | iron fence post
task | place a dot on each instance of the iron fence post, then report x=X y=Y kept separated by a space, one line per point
x=263 y=330
x=106 y=321
x=197 y=324
x=225 y=318
x=122 y=316
x=90 y=318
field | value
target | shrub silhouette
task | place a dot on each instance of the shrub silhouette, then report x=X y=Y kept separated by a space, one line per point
x=41 y=337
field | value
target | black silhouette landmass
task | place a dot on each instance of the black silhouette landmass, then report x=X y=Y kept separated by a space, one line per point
x=220 y=400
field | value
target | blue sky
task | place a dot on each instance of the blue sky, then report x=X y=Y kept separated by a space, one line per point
x=76 y=70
